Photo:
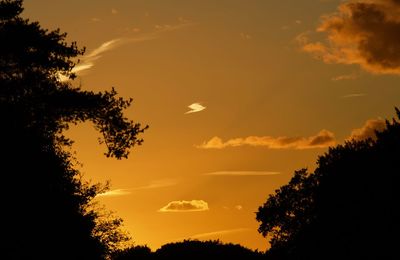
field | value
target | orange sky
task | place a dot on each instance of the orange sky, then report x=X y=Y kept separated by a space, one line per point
x=274 y=84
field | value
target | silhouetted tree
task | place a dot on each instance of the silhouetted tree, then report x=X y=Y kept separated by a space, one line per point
x=348 y=208
x=134 y=252
x=191 y=249
x=46 y=207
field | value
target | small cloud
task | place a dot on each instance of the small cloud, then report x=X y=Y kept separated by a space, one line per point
x=219 y=233
x=171 y=27
x=351 y=76
x=195 y=107
x=95 y=19
x=287 y=27
x=239 y=207
x=322 y=139
x=368 y=130
x=185 y=206
x=245 y=36
x=242 y=173
x=157 y=184
x=135 y=30
x=114 y=11
x=362 y=32
x=355 y=95
x=114 y=193
x=183 y=20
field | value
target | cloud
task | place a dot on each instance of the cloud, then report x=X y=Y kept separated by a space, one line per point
x=195 y=107
x=185 y=206
x=114 y=11
x=114 y=193
x=242 y=173
x=219 y=233
x=351 y=76
x=368 y=129
x=245 y=36
x=239 y=207
x=323 y=139
x=354 y=95
x=173 y=27
x=363 y=32
x=156 y=184
x=88 y=61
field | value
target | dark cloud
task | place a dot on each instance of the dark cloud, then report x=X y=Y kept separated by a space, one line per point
x=364 y=32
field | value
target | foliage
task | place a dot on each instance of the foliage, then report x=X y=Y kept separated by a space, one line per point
x=190 y=249
x=347 y=208
x=49 y=206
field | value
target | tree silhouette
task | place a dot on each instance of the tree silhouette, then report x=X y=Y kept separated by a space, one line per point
x=46 y=207
x=190 y=249
x=347 y=208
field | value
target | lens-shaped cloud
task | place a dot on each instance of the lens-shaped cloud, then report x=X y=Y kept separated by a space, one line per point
x=195 y=107
x=185 y=206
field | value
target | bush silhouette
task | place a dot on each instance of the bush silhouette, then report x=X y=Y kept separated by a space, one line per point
x=347 y=208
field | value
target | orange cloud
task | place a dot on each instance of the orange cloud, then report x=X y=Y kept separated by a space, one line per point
x=185 y=206
x=114 y=193
x=219 y=233
x=363 y=32
x=323 y=139
x=368 y=130
x=345 y=77
x=242 y=173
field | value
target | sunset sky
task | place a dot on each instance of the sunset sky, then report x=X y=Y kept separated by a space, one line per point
x=237 y=93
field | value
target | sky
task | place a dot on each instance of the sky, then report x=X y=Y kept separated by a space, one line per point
x=238 y=95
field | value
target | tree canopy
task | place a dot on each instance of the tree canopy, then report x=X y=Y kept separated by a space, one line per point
x=347 y=207
x=190 y=249
x=47 y=207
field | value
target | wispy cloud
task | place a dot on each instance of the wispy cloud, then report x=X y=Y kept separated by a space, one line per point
x=88 y=61
x=114 y=193
x=114 y=11
x=185 y=206
x=363 y=32
x=355 y=95
x=195 y=107
x=322 y=139
x=368 y=129
x=156 y=184
x=242 y=173
x=219 y=233
x=245 y=36
x=95 y=19
x=351 y=76
x=295 y=23
x=172 y=27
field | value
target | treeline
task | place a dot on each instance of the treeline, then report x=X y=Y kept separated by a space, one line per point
x=190 y=249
